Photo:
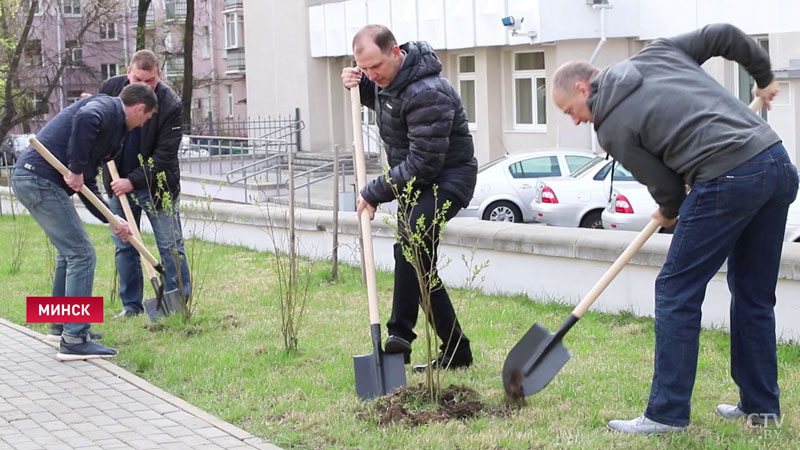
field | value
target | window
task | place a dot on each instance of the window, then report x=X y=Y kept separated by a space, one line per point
x=33 y=53
x=108 y=32
x=205 y=42
x=574 y=162
x=234 y=30
x=544 y=166
x=229 y=99
x=744 y=82
x=71 y=7
x=466 y=86
x=36 y=5
x=109 y=70
x=530 y=91
x=74 y=54
x=73 y=96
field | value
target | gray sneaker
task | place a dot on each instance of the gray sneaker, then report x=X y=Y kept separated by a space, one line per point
x=81 y=348
x=642 y=425
x=732 y=412
x=124 y=314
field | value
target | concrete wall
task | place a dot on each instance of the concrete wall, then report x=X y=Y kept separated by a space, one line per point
x=545 y=263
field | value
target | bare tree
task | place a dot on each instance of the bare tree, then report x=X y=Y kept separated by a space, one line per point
x=30 y=73
x=141 y=23
x=188 y=66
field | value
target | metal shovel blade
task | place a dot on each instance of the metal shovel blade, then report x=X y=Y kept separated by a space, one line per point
x=171 y=303
x=370 y=383
x=534 y=362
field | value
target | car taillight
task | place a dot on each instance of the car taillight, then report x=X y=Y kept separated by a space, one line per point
x=622 y=205
x=548 y=196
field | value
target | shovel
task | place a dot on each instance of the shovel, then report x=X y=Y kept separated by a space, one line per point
x=540 y=355
x=164 y=303
x=89 y=195
x=378 y=373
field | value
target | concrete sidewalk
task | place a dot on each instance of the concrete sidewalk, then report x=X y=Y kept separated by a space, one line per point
x=47 y=404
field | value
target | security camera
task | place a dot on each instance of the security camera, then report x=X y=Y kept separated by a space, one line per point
x=509 y=22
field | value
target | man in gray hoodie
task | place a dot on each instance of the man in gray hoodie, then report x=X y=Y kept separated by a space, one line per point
x=671 y=124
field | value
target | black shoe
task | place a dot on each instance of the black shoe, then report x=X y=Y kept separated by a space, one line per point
x=83 y=349
x=396 y=344
x=56 y=329
x=126 y=313
x=446 y=362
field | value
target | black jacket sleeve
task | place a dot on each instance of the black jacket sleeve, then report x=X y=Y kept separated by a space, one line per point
x=429 y=116
x=165 y=152
x=367 y=90
x=731 y=43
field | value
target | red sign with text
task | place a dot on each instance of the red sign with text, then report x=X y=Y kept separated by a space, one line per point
x=64 y=310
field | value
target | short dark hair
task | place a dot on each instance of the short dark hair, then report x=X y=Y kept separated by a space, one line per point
x=145 y=60
x=136 y=93
x=380 y=35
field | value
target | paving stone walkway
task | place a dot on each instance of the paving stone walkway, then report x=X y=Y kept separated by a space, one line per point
x=47 y=404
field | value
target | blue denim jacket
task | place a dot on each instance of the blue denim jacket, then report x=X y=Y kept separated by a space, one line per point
x=83 y=136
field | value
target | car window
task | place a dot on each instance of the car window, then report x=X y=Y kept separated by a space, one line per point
x=587 y=167
x=544 y=166
x=574 y=162
x=623 y=174
x=491 y=163
x=602 y=173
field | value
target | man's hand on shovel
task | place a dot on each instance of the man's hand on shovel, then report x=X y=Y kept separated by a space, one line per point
x=363 y=205
x=123 y=230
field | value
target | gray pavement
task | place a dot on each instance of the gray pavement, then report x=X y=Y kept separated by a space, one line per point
x=47 y=404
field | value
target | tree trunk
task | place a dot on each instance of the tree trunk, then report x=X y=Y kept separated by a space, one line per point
x=188 y=64
x=141 y=23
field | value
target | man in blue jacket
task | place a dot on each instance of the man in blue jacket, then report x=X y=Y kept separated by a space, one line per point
x=83 y=137
x=157 y=143
x=671 y=124
x=424 y=126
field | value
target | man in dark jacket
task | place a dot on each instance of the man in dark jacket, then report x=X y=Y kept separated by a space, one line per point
x=83 y=137
x=424 y=126
x=671 y=124
x=157 y=144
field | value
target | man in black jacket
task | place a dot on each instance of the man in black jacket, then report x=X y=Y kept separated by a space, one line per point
x=424 y=126
x=671 y=124
x=82 y=136
x=156 y=144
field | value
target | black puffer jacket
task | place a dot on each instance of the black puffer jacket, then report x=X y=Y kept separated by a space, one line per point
x=425 y=129
x=161 y=139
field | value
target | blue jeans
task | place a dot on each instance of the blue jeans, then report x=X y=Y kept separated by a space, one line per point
x=740 y=216
x=53 y=210
x=169 y=240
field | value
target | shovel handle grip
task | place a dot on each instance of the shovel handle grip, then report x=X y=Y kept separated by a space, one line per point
x=89 y=195
x=126 y=207
x=633 y=247
x=366 y=226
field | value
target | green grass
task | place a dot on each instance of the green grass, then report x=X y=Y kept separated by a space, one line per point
x=229 y=361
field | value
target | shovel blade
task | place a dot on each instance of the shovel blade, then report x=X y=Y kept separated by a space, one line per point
x=370 y=383
x=171 y=303
x=534 y=362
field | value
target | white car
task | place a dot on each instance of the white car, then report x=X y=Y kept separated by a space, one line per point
x=579 y=199
x=630 y=209
x=504 y=189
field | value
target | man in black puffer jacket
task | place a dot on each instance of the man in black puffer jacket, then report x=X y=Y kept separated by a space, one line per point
x=424 y=126
x=157 y=143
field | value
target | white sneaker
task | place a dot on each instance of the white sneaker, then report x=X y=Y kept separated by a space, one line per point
x=733 y=412
x=642 y=425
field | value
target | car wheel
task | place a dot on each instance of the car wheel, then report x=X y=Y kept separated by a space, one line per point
x=592 y=220
x=502 y=211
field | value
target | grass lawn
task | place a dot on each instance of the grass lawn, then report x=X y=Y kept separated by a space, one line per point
x=229 y=361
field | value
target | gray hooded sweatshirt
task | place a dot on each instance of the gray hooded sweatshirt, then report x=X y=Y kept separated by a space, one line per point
x=670 y=123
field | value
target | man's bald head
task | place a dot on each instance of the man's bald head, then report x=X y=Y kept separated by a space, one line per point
x=374 y=34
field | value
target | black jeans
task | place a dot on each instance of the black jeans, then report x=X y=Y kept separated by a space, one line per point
x=406 y=300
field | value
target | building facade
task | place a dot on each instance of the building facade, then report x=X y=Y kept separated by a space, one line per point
x=500 y=67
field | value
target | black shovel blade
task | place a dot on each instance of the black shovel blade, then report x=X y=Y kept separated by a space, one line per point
x=534 y=362
x=370 y=383
x=171 y=303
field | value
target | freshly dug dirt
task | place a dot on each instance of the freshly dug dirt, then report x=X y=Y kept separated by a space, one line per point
x=412 y=405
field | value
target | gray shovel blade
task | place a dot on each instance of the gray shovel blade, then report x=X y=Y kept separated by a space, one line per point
x=368 y=380
x=171 y=303
x=534 y=361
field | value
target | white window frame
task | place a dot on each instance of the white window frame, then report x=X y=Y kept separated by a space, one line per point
x=78 y=49
x=468 y=76
x=533 y=75
x=71 y=5
x=238 y=22
x=27 y=57
x=108 y=28
x=229 y=100
x=108 y=71
x=737 y=68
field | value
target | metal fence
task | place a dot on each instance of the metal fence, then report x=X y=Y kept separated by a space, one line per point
x=285 y=127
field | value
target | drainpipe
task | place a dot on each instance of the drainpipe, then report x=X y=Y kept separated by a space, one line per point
x=602 y=5
x=59 y=18
x=211 y=22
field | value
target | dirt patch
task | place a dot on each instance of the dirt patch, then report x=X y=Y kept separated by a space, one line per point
x=412 y=405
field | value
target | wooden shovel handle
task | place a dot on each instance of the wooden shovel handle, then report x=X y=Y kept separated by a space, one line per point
x=633 y=247
x=126 y=207
x=88 y=194
x=366 y=226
